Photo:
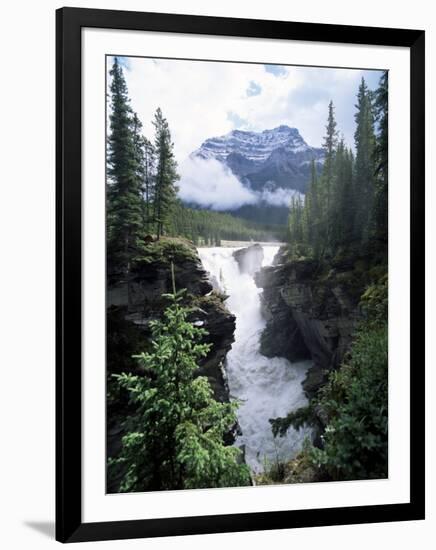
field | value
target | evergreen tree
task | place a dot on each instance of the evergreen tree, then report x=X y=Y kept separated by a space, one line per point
x=381 y=159
x=175 y=438
x=343 y=203
x=348 y=207
x=364 y=165
x=144 y=151
x=325 y=222
x=314 y=213
x=124 y=208
x=138 y=141
x=198 y=225
x=296 y=225
x=308 y=211
x=329 y=145
x=166 y=173
x=330 y=142
x=148 y=184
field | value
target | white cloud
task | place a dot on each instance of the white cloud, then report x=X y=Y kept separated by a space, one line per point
x=279 y=196
x=203 y=99
x=210 y=184
x=197 y=96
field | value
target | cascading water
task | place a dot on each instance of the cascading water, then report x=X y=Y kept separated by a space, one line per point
x=266 y=388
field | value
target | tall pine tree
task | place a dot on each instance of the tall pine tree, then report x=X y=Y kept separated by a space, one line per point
x=312 y=219
x=329 y=145
x=124 y=208
x=296 y=225
x=364 y=166
x=342 y=210
x=175 y=440
x=148 y=183
x=381 y=160
x=166 y=173
x=347 y=204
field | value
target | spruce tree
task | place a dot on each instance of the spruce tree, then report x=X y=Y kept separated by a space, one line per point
x=381 y=160
x=148 y=183
x=364 y=166
x=348 y=207
x=296 y=225
x=166 y=173
x=343 y=205
x=175 y=438
x=315 y=213
x=138 y=140
x=329 y=145
x=124 y=209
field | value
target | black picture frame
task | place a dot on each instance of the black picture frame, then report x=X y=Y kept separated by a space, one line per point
x=69 y=525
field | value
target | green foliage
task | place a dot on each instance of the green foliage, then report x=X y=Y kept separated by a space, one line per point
x=167 y=250
x=299 y=469
x=174 y=440
x=124 y=204
x=342 y=206
x=205 y=227
x=142 y=190
x=297 y=419
x=345 y=206
x=328 y=173
x=364 y=170
x=273 y=470
x=141 y=183
x=296 y=226
x=148 y=169
x=352 y=406
x=374 y=301
x=355 y=441
x=166 y=173
x=381 y=160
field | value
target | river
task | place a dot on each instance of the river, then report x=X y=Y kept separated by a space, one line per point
x=266 y=388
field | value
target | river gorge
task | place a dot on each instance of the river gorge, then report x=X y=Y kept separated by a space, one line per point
x=265 y=387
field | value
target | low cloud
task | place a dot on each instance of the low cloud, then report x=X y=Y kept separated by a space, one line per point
x=210 y=184
x=222 y=96
x=279 y=196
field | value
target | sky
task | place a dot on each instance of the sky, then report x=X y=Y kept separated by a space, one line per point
x=203 y=99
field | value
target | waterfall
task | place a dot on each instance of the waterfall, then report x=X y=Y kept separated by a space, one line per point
x=266 y=388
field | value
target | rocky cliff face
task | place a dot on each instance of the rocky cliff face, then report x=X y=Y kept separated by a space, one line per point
x=139 y=300
x=311 y=310
x=133 y=303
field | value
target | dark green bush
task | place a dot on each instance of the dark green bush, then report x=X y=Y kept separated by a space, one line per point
x=356 y=402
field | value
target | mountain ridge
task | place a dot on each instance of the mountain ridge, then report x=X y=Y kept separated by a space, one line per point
x=277 y=157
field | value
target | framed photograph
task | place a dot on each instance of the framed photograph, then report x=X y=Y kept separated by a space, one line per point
x=240 y=274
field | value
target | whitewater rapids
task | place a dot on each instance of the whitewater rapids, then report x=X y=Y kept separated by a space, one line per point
x=266 y=388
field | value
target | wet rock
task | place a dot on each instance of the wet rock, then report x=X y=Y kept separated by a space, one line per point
x=315 y=378
x=310 y=308
x=142 y=291
x=282 y=336
x=249 y=259
x=220 y=325
x=140 y=300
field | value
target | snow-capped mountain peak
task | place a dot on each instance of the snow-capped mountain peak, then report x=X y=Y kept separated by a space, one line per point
x=279 y=155
x=255 y=146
